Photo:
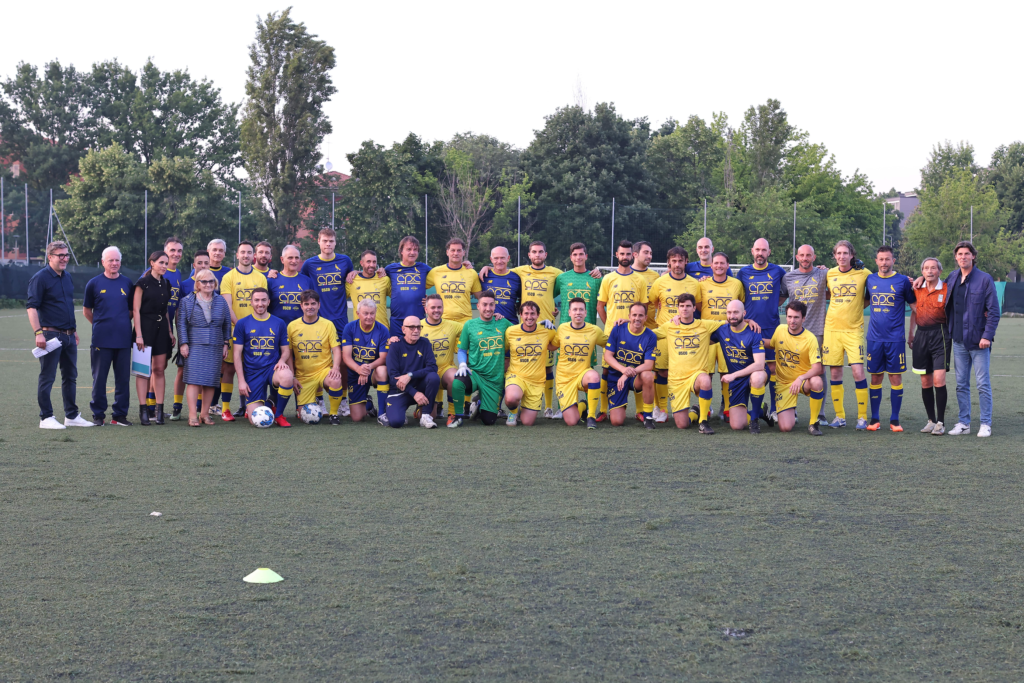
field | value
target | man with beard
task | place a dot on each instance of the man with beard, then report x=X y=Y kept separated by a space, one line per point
x=620 y=289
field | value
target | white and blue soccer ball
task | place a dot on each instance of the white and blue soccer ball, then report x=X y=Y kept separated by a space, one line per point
x=310 y=413
x=261 y=417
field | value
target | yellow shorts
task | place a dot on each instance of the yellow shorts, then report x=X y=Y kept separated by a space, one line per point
x=661 y=355
x=311 y=385
x=785 y=400
x=715 y=355
x=441 y=371
x=532 y=393
x=568 y=390
x=679 y=392
x=837 y=342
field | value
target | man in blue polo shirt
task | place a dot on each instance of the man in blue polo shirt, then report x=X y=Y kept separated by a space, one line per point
x=108 y=307
x=51 y=312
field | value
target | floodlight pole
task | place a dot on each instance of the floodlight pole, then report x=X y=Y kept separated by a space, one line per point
x=332 y=210
x=613 y=232
x=27 y=262
x=49 y=220
x=883 y=221
x=705 y=217
x=145 y=229
x=239 y=216
x=972 y=225
x=3 y=221
x=519 y=229
x=426 y=230
x=794 y=234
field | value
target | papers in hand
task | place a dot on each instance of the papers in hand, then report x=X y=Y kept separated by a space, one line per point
x=142 y=361
x=51 y=345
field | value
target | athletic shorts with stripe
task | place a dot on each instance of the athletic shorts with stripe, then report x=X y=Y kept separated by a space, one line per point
x=837 y=342
x=932 y=349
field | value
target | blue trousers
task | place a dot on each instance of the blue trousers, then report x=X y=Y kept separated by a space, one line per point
x=102 y=360
x=399 y=403
x=964 y=360
x=67 y=358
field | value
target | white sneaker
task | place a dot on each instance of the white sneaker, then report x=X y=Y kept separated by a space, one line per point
x=51 y=423
x=79 y=421
x=929 y=428
x=343 y=408
x=549 y=414
x=426 y=421
x=939 y=429
x=711 y=412
x=474 y=408
x=511 y=420
x=659 y=414
x=557 y=415
x=959 y=429
x=984 y=430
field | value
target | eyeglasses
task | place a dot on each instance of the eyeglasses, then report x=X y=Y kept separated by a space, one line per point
x=62 y=256
x=412 y=327
x=207 y=282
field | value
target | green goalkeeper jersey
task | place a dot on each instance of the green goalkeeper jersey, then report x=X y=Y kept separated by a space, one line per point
x=570 y=285
x=484 y=344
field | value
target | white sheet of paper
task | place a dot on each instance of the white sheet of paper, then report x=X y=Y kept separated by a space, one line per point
x=51 y=345
x=142 y=361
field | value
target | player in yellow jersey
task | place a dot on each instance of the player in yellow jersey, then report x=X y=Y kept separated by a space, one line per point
x=642 y=257
x=664 y=296
x=366 y=285
x=620 y=289
x=844 y=331
x=444 y=337
x=798 y=369
x=689 y=346
x=715 y=294
x=577 y=340
x=316 y=356
x=236 y=288
x=528 y=346
x=456 y=282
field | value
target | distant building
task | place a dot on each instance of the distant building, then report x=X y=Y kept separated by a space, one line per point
x=906 y=204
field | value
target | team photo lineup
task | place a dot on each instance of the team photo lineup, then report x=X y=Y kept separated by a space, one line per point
x=569 y=345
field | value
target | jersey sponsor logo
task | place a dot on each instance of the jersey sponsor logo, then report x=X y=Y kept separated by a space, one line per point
x=736 y=354
x=571 y=351
x=790 y=359
x=364 y=354
x=761 y=287
x=502 y=293
x=440 y=345
x=628 y=357
x=413 y=279
x=242 y=296
x=579 y=294
x=883 y=299
x=806 y=293
x=452 y=288
x=330 y=280
x=262 y=343
x=286 y=298
x=490 y=343
x=309 y=346
x=538 y=286
x=686 y=342
x=624 y=297
x=844 y=290
x=717 y=303
x=529 y=350
x=372 y=296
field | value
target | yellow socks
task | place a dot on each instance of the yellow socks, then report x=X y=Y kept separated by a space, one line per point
x=837 y=399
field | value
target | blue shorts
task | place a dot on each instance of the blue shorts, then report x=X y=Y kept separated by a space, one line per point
x=766 y=335
x=616 y=398
x=739 y=391
x=886 y=357
x=258 y=383
x=358 y=393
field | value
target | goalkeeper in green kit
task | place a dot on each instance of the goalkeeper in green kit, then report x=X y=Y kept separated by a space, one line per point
x=481 y=362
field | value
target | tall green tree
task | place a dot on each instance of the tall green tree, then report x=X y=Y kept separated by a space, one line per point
x=683 y=163
x=766 y=134
x=284 y=123
x=947 y=161
x=1006 y=174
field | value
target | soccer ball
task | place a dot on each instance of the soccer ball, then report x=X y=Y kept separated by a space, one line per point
x=310 y=413
x=261 y=417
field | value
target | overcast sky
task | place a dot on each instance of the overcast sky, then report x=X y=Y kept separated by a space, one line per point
x=877 y=82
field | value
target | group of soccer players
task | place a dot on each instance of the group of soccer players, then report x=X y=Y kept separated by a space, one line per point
x=574 y=343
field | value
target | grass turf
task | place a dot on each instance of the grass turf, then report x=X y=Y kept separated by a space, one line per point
x=497 y=553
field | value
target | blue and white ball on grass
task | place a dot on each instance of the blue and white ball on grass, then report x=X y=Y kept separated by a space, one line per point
x=261 y=417
x=310 y=413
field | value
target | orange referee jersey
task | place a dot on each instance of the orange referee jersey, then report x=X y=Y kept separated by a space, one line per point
x=931 y=305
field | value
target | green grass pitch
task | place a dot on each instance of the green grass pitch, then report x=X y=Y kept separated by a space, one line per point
x=544 y=553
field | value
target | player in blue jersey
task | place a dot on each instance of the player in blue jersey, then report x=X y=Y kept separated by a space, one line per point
x=261 y=350
x=408 y=284
x=200 y=262
x=890 y=292
x=765 y=287
x=364 y=350
x=506 y=285
x=743 y=350
x=328 y=273
x=629 y=354
x=217 y=250
x=701 y=268
x=286 y=286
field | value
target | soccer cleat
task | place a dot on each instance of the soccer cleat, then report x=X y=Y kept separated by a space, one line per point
x=862 y=423
x=960 y=429
x=755 y=427
x=694 y=413
x=894 y=426
x=335 y=420
x=512 y=420
x=281 y=422
x=454 y=422
x=319 y=402
x=768 y=420
x=838 y=423
x=775 y=416
x=939 y=430
x=549 y=414
x=227 y=416
x=416 y=413
x=659 y=414
x=640 y=417
x=591 y=423
x=822 y=422
x=240 y=413
x=175 y=414
x=984 y=431
x=371 y=409
x=474 y=409
x=78 y=421
x=97 y=421
x=51 y=423
x=343 y=408
x=215 y=410
x=711 y=412
x=928 y=427
x=427 y=422
x=382 y=420
x=601 y=417
x=873 y=426
x=725 y=415
x=649 y=423
x=120 y=422
x=705 y=428
x=557 y=415
x=813 y=430
x=501 y=413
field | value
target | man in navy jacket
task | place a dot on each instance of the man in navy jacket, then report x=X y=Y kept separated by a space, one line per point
x=412 y=373
x=972 y=315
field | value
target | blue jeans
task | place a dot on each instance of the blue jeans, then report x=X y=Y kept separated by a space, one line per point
x=102 y=361
x=67 y=358
x=963 y=359
x=399 y=403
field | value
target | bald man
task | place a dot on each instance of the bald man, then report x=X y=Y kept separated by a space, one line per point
x=809 y=285
x=744 y=372
x=702 y=266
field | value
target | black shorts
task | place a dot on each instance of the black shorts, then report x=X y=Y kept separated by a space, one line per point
x=932 y=350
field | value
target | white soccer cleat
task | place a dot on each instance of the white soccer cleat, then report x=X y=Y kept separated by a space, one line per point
x=51 y=423
x=960 y=429
x=343 y=408
x=511 y=420
x=474 y=408
x=984 y=430
x=557 y=415
x=928 y=428
x=549 y=414
x=659 y=414
x=79 y=421
x=939 y=429
x=427 y=422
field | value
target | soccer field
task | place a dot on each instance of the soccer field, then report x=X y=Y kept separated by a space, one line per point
x=543 y=553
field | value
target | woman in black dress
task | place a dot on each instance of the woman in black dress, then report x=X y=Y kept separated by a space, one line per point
x=153 y=329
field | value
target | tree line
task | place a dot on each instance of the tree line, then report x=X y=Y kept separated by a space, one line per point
x=109 y=135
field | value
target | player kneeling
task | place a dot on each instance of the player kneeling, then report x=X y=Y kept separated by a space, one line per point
x=528 y=346
x=261 y=357
x=316 y=354
x=743 y=351
x=797 y=369
x=577 y=340
x=364 y=348
x=630 y=353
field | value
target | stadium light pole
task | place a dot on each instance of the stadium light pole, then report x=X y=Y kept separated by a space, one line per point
x=519 y=230
x=972 y=225
x=49 y=220
x=240 y=216
x=426 y=230
x=613 y=232
x=883 y=222
x=794 y=234
x=145 y=228
x=3 y=221
x=27 y=262
x=705 y=216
